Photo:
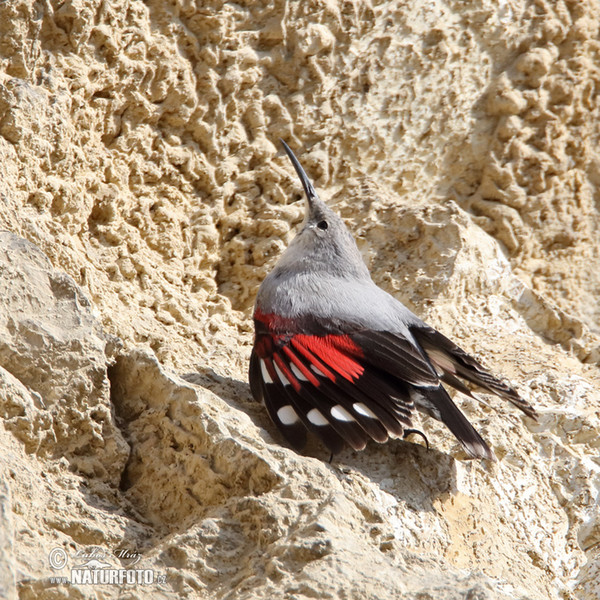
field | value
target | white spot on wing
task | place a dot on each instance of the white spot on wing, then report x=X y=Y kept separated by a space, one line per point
x=363 y=409
x=281 y=376
x=287 y=415
x=265 y=373
x=315 y=416
x=297 y=372
x=317 y=371
x=341 y=414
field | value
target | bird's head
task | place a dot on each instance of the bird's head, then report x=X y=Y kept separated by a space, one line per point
x=324 y=243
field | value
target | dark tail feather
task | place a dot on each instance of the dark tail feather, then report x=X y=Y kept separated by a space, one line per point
x=448 y=413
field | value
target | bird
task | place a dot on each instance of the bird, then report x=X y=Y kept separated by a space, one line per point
x=337 y=356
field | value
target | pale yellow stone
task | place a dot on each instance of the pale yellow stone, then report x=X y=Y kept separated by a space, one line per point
x=139 y=153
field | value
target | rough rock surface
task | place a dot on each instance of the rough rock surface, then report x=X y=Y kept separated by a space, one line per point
x=142 y=200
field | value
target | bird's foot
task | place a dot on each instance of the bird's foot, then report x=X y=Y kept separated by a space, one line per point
x=408 y=432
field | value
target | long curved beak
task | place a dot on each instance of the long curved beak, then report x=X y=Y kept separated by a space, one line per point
x=311 y=195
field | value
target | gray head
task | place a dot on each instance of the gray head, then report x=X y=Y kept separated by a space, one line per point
x=324 y=244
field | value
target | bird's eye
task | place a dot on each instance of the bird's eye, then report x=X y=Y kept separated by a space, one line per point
x=322 y=225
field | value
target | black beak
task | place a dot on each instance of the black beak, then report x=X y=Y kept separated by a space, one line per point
x=311 y=195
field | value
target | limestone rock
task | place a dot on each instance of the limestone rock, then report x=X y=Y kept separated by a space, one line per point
x=53 y=354
x=142 y=200
x=8 y=584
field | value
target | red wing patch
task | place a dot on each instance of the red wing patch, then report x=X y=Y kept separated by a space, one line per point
x=336 y=351
x=320 y=383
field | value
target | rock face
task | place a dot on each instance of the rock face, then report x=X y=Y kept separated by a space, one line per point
x=142 y=200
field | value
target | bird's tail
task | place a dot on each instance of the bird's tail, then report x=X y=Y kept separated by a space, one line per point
x=436 y=402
